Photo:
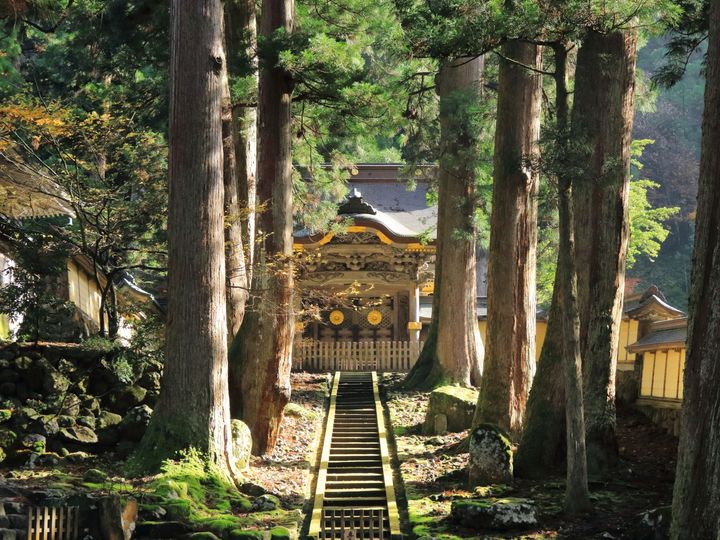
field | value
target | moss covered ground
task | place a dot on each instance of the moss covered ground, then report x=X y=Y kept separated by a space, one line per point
x=267 y=503
x=432 y=475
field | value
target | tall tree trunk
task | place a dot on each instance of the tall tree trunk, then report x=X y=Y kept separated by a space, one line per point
x=510 y=343
x=236 y=278
x=261 y=355
x=542 y=444
x=576 y=489
x=241 y=42
x=696 y=498
x=193 y=409
x=458 y=350
x=602 y=122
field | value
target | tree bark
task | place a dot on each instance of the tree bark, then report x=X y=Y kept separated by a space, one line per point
x=261 y=353
x=696 y=497
x=542 y=444
x=458 y=353
x=193 y=409
x=510 y=343
x=236 y=277
x=602 y=123
x=241 y=42
x=576 y=488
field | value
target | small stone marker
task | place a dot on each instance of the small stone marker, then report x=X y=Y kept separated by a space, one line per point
x=441 y=424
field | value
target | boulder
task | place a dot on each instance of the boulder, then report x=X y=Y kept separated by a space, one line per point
x=135 y=422
x=456 y=403
x=242 y=444
x=125 y=397
x=79 y=434
x=54 y=382
x=499 y=514
x=107 y=419
x=23 y=362
x=652 y=524
x=7 y=438
x=95 y=476
x=34 y=442
x=265 y=503
x=491 y=457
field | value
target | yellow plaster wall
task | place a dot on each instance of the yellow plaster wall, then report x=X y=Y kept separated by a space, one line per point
x=628 y=336
x=4 y=326
x=662 y=374
x=83 y=291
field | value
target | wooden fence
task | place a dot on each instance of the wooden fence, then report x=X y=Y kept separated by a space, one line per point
x=311 y=355
x=52 y=523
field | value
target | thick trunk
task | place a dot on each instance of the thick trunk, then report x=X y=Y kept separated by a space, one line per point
x=419 y=377
x=235 y=275
x=542 y=445
x=193 y=409
x=459 y=350
x=576 y=488
x=241 y=42
x=510 y=343
x=696 y=498
x=261 y=355
x=602 y=122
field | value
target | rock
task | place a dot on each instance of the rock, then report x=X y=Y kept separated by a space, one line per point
x=150 y=380
x=34 y=442
x=23 y=362
x=161 y=529
x=7 y=438
x=440 y=425
x=203 y=536
x=135 y=423
x=491 y=458
x=54 y=382
x=248 y=488
x=501 y=514
x=65 y=421
x=46 y=425
x=456 y=403
x=652 y=524
x=8 y=375
x=77 y=457
x=79 y=434
x=242 y=444
x=107 y=419
x=87 y=421
x=123 y=398
x=95 y=476
x=265 y=503
x=8 y=389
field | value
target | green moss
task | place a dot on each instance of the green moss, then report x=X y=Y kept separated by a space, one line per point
x=460 y=392
x=239 y=534
x=280 y=533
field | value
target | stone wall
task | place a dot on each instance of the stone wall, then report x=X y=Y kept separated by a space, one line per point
x=57 y=400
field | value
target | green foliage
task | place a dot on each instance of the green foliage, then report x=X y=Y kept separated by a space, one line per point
x=647 y=229
x=31 y=295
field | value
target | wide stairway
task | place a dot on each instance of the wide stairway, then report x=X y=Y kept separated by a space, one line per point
x=355 y=497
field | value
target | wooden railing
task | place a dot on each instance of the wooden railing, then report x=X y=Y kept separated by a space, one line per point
x=311 y=355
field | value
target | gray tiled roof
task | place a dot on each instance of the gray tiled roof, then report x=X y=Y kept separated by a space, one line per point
x=407 y=208
x=660 y=337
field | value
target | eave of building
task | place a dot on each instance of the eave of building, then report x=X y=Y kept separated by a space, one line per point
x=653 y=309
x=364 y=224
x=663 y=335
